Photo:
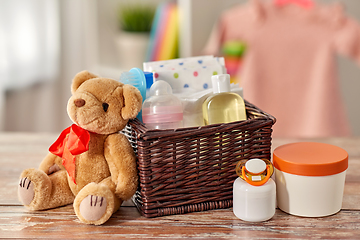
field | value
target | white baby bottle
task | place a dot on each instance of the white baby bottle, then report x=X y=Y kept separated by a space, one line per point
x=162 y=110
x=254 y=192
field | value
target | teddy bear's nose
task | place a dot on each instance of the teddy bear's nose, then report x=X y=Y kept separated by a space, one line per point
x=79 y=102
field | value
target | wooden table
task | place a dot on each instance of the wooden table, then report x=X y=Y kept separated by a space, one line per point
x=20 y=151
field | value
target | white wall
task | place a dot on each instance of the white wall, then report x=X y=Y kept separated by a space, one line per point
x=42 y=107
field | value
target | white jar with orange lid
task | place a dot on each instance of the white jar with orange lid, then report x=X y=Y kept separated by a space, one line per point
x=310 y=178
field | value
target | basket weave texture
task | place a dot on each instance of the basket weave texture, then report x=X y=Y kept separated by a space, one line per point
x=193 y=169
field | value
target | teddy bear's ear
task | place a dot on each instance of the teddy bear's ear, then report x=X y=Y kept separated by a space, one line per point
x=80 y=78
x=132 y=102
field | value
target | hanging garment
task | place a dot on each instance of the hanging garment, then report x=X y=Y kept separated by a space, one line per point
x=289 y=69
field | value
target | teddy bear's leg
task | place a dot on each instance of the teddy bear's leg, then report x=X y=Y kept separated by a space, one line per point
x=38 y=191
x=96 y=202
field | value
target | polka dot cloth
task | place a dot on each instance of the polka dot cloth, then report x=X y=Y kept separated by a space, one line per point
x=187 y=73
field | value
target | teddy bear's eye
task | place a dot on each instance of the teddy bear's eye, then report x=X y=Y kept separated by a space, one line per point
x=105 y=106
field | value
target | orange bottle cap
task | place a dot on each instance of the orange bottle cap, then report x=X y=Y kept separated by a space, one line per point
x=310 y=159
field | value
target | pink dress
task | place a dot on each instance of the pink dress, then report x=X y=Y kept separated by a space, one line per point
x=289 y=69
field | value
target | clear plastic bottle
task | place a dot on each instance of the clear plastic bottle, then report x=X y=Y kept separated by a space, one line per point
x=223 y=106
x=162 y=110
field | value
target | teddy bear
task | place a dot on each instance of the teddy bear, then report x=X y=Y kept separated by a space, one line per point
x=91 y=164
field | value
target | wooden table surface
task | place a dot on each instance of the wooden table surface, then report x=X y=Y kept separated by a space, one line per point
x=19 y=151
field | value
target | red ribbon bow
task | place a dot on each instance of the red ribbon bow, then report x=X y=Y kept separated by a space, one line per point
x=72 y=141
x=303 y=3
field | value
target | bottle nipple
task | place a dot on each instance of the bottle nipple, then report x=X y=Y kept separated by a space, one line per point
x=255 y=171
x=160 y=87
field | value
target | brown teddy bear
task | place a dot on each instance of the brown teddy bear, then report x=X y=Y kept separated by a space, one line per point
x=91 y=164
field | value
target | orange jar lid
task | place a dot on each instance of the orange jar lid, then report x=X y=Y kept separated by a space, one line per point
x=310 y=159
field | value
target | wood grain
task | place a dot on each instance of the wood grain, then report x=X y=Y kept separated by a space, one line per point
x=216 y=224
x=20 y=151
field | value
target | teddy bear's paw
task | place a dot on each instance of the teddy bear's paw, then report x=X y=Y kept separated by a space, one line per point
x=94 y=204
x=92 y=208
x=26 y=191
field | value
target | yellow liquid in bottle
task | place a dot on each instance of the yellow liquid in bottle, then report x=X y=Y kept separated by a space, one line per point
x=223 y=107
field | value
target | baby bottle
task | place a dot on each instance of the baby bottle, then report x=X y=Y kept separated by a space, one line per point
x=254 y=192
x=223 y=106
x=162 y=110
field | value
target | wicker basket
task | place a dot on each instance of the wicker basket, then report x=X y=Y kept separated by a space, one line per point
x=193 y=169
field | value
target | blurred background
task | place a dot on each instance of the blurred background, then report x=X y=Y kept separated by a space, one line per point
x=44 y=43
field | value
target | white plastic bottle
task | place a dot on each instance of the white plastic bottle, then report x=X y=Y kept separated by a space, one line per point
x=162 y=110
x=223 y=106
x=254 y=192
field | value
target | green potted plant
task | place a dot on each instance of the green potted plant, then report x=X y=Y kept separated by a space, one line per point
x=136 y=18
x=135 y=22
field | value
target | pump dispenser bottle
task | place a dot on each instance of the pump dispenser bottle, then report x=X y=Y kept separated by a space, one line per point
x=223 y=106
